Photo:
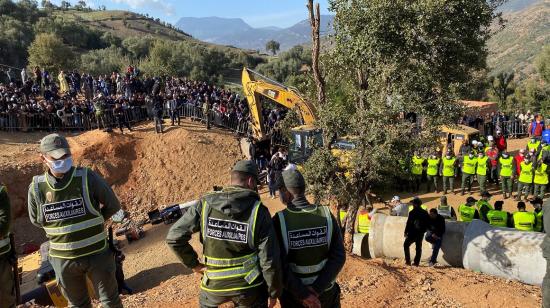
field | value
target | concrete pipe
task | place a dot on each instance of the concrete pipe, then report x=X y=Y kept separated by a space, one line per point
x=387 y=236
x=504 y=252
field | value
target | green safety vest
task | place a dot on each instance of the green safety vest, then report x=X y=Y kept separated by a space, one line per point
x=423 y=206
x=449 y=166
x=533 y=146
x=480 y=205
x=306 y=238
x=417 y=165
x=363 y=224
x=466 y=213
x=506 y=165
x=342 y=215
x=497 y=218
x=433 y=166
x=72 y=221
x=524 y=221
x=444 y=211
x=469 y=165
x=482 y=165
x=541 y=174
x=230 y=256
x=538 y=217
x=546 y=148
x=526 y=173
x=5 y=246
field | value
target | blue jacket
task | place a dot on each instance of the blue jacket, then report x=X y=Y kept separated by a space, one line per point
x=546 y=136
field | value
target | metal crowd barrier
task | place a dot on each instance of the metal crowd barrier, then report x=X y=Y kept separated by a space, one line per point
x=510 y=129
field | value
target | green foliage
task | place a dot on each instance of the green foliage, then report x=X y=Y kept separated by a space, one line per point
x=104 y=61
x=501 y=86
x=288 y=64
x=391 y=58
x=49 y=52
x=272 y=46
x=138 y=47
x=543 y=63
x=72 y=33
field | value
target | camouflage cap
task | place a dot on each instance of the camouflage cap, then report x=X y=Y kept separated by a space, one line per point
x=246 y=166
x=54 y=145
x=293 y=179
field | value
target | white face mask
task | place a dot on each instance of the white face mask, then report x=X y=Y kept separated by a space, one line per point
x=505 y=155
x=60 y=165
x=448 y=156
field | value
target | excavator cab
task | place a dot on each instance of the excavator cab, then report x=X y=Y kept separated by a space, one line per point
x=304 y=139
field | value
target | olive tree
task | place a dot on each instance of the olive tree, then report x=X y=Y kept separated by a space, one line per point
x=389 y=59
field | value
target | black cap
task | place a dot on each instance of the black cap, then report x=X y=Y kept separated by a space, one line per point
x=416 y=201
x=486 y=194
x=470 y=200
x=293 y=179
x=537 y=200
x=246 y=166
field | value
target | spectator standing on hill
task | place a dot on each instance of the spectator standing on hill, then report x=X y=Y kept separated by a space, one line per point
x=536 y=127
x=158 y=113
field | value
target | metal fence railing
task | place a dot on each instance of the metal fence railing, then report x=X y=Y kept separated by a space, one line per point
x=510 y=129
x=65 y=121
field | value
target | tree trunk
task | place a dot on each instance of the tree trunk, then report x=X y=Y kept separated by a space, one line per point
x=314 y=20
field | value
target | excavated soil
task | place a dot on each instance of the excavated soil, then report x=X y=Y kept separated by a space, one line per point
x=147 y=170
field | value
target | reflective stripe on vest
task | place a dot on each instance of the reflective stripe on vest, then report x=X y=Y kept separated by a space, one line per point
x=506 y=166
x=482 y=165
x=417 y=165
x=5 y=246
x=541 y=174
x=467 y=213
x=433 y=166
x=444 y=211
x=449 y=166
x=73 y=225
x=469 y=165
x=526 y=173
x=305 y=241
x=524 y=221
x=538 y=225
x=230 y=274
x=497 y=218
x=363 y=224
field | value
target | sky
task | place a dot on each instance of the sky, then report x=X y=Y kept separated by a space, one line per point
x=257 y=13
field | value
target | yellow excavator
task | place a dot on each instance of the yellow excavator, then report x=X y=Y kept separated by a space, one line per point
x=256 y=86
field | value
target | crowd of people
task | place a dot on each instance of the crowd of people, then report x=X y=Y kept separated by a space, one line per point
x=517 y=125
x=80 y=101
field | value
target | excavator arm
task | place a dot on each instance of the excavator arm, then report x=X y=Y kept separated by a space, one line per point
x=256 y=85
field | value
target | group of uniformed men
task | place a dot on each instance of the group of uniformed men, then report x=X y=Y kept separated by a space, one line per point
x=250 y=258
x=530 y=169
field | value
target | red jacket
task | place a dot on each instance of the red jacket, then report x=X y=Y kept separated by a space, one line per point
x=500 y=142
x=518 y=158
x=536 y=128
x=493 y=156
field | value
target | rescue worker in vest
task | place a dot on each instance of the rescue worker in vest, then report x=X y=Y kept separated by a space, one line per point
x=7 y=290
x=546 y=254
x=537 y=204
x=525 y=178
x=541 y=178
x=483 y=168
x=506 y=172
x=467 y=212
x=241 y=254
x=498 y=217
x=445 y=210
x=417 y=168
x=448 y=166
x=533 y=144
x=364 y=217
x=468 y=171
x=313 y=262
x=434 y=236
x=71 y=204
x=342 y=215
x=523 y=220
x=483 y=206
x=432 y=172
x=416 y=226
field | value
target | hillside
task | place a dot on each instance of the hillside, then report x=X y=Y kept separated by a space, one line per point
x=525 y=33
x=236 y=32
x=122 y=23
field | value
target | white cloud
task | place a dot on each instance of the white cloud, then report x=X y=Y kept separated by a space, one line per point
x=158 y=5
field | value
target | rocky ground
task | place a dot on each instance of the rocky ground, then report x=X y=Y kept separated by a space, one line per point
x=148 y=170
